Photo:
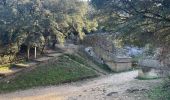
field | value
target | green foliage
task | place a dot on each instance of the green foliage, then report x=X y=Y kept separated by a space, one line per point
x=161 y=92
x=32 y=22
x=6 y=59
x=64 y=70
x=137 y=22
x=5 y=67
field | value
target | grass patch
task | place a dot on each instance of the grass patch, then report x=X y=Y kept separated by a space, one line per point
x=78 y=59
x=161 y=92
x=64 y=70
x=147 y=78
x=131 y=69
x=86 y=60
x=104 y=67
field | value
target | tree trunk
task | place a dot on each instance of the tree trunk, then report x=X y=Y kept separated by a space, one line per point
x=28 y=52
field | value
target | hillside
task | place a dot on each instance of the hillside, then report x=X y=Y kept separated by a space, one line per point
x=64 y=69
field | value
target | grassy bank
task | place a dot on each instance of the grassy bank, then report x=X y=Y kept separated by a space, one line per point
x=88 y=58
x=63 y=70
x=161 y=92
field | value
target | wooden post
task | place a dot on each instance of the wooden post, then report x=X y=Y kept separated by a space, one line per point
x=35 y=52
x=28 y=52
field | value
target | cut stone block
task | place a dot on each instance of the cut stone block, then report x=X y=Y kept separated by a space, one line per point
x=151 y=74
x=150 y=63
x=149 y=69
x=120 y=64
x=119 y=67
x=124 y=59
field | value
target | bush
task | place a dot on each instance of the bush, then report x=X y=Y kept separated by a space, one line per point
x=6 y=59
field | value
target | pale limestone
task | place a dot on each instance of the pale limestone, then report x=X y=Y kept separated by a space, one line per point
x=119 y=67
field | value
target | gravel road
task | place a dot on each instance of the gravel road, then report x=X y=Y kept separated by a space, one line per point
x=121 y=86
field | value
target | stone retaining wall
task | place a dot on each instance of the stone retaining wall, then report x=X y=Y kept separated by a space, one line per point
x=120 y=66
x=104 y=50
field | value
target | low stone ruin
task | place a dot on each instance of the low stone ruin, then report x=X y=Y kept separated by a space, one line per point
x=115 y=63
x=103 y=50
x=120 y=64
x=149 y=69
x=90 y=51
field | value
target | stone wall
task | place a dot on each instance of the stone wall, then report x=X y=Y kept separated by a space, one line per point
x=103 y=49
x=102 y=46
x=119 y=67
x=120 y=64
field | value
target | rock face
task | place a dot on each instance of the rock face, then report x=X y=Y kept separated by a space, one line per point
x=150 y=63
x=90 y=51
x=149 y=68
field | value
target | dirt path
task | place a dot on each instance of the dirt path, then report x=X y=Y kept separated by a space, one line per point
x=122 y=86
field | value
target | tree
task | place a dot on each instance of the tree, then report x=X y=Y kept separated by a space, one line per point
x=138 y=22
x=23 y=20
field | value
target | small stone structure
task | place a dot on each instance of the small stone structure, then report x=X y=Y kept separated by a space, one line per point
x=102 y=49
x=149 y=68
x=120 y=64
x=117 y=64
